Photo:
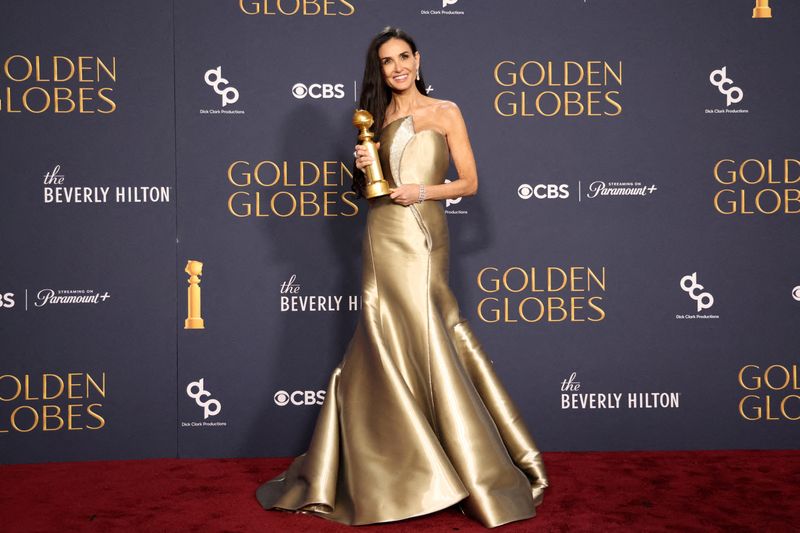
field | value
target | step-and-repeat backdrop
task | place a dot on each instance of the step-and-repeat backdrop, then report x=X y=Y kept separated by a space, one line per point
x=180 y=247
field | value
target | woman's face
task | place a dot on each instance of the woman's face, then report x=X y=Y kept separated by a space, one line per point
x=398 y=63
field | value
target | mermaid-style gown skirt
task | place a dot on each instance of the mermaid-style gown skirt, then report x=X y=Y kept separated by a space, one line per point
x=415 y=419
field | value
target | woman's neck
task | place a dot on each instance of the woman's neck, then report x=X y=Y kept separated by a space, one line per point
x=406 y=102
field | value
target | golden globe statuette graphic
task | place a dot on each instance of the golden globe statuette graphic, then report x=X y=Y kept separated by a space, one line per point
x=193 y=318
x=376 y=185
x=762 y=10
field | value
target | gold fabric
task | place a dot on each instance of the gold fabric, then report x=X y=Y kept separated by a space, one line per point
x=415 y=419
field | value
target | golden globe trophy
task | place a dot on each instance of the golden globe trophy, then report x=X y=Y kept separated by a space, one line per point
x=762 y=10
x=376 y=185
x=193 y=318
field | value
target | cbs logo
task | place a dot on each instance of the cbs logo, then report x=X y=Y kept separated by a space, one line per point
x=299 y=397
x=7 y=300
x=543 y=191
x=318 y=90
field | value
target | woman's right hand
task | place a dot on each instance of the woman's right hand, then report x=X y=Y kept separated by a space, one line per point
x=363 y=158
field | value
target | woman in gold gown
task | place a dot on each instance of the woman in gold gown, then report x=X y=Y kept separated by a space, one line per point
x=415 y=419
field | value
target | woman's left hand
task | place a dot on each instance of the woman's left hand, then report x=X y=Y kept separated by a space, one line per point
x=405 y=194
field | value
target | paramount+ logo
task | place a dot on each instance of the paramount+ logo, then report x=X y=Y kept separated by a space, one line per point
x=299 y=397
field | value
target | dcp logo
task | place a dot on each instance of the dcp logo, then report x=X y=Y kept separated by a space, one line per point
x=299 y=397
x=318 y=90
x=229 y=94
x=543 y=191
x=689 y=284
x=446 y=3
x=196 y=390
x=719 y=78
x=6 y=300
x=451 y=201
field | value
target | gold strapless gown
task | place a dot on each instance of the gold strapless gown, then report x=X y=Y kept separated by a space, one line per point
x=415 y=419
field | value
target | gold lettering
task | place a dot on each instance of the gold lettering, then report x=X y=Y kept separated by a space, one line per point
x=16 y=411
x=49 y=412
x=756 y=409
x=18 y=384
x=495 y=282
x=495 y=312
x=99 y=418
x=45 y=395
x=512 y=105
x=756 y=379
x=101 y=389
x=512 y=75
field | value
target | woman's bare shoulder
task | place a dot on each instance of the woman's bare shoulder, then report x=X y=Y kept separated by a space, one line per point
x=446 y=113
x=440 y=107
x=441 y=115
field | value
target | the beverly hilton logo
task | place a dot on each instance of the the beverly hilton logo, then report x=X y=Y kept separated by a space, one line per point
x=56 y=191
x=292 y=301
x=574 y=398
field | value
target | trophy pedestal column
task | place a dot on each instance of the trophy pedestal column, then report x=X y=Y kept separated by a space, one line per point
x=193 y=323
x=762 y=10
x=378 y=188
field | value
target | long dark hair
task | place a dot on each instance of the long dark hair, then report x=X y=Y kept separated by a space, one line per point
x=375 y=94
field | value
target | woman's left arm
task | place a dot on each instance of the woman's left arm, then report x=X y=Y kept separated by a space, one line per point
x=463 y=158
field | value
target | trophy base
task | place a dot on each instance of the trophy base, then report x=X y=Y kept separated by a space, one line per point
x=193 y=323
x=376 y=189
x=762 y=12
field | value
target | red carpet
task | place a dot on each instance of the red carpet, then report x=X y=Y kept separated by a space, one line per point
x=731 y=491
